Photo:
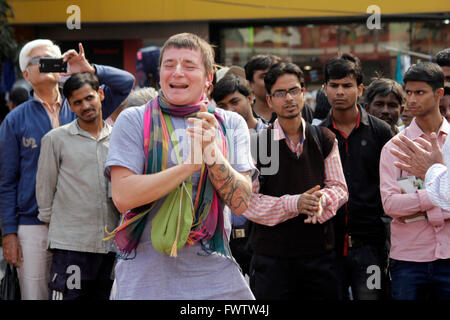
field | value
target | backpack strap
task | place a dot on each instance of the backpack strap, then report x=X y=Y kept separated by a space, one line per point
x=317 y=132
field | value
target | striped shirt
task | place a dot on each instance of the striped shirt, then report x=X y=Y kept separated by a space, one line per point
x=269 y=210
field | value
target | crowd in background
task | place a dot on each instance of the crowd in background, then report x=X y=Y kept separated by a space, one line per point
x=225 y=182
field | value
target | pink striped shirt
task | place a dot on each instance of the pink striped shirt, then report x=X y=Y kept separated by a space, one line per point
x=419 y=241
x=269 y=210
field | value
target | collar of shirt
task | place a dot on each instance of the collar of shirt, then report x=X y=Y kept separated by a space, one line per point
x=260 y=125
x=75 y=129
x=413 y=131
x=265 y=121
x=279 y=134
x=50 y=108
x=362 y=118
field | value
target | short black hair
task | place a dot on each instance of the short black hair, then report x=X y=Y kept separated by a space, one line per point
x=428 y=72
x=259 y=62
x=323 y=106
x=447 y=91
x=280 y=69
x=230 y=84
x=77 y=80
x=18 y=95
x=343 y=65
x=442 y=58
x=383 y=87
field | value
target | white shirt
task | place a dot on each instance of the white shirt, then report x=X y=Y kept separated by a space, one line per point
x=437 y=180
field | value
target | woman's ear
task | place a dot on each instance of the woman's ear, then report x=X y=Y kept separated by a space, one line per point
x=209 y=80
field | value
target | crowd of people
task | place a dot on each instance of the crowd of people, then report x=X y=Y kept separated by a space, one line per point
x=224 y=183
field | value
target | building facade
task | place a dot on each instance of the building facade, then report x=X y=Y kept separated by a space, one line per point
x=307 y=34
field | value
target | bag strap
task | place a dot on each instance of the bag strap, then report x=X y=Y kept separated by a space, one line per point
x=318 y=137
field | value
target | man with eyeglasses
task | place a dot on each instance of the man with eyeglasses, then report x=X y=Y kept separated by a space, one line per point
x=24 y=235
x=361 y=233
x=255 y=71
x=292 y=238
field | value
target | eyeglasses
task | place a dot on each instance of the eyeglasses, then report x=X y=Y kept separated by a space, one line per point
x=283 y=93
x=35 y=60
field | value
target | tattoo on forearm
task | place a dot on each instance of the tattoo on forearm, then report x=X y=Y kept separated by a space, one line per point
x=234 y=190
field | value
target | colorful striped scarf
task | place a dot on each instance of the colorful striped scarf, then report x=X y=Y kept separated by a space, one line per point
x=205 y=225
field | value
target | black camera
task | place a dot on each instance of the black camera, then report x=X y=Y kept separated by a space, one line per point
x=52 y=65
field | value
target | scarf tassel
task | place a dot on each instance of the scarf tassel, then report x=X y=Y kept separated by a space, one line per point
x=126 y=220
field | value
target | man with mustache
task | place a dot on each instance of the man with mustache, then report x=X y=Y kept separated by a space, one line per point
x=385 y=100
x=255 y=71
x=360 y=230
x=24 y=239
x=72 y=158
x=292 y=238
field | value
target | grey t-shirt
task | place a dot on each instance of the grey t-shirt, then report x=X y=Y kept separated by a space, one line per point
x=193 y=274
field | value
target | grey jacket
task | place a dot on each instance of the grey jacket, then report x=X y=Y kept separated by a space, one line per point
x=71 y=190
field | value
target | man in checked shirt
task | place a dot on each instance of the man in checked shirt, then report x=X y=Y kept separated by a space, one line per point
x=292 y=238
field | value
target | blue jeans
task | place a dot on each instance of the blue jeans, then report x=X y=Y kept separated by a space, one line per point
x=364 y=270
x=420 y=280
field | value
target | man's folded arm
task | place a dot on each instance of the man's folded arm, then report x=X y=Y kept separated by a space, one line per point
x=117 y=85
x=46 y=178
x=335 y=191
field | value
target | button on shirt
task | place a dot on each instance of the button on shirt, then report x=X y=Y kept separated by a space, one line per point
x=72 y=191
x=423 y=240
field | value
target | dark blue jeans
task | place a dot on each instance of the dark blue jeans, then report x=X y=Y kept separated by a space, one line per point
x=420 y=280
x=364 y=270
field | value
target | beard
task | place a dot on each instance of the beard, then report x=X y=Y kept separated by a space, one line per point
x=388 y=120
x=290 y=114
x=90 y=119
